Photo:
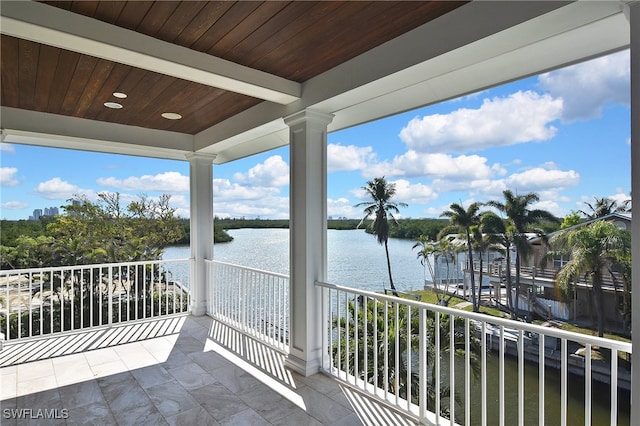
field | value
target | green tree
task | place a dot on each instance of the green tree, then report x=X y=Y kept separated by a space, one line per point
x=382 y=209
x=605 y=206
x=442 y=249
x=572 y=219
x=356 y=338
x=594 y=250
x=482 y=243
x=522 y=219
x=28 y=252
x=462 y=221
x=500 y=233
x=107 y=232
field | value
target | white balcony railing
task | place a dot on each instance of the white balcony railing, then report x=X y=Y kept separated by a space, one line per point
x=440 y=363
x=43 y=301
x=253 y=301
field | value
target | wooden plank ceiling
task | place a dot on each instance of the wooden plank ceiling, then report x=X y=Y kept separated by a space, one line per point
x=296 y=40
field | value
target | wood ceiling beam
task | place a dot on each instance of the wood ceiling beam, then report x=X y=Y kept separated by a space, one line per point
x=55 y=27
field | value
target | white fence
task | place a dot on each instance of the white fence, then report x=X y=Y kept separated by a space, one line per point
x=252 y=301
x=425 y=359
x=42 y=301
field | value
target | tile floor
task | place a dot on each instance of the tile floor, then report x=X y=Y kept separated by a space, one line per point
x=179 y=371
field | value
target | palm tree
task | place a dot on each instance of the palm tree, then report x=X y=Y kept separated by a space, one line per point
x=594 y=249
x=392 y=322
x=522 y=219
x=462 y=221
x=426 y=248
x=605 y=206
x=500 y=234
x=444 y=249
x=482 y=243
x=382 y=209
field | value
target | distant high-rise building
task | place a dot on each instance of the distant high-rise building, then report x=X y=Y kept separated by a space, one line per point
x=36 y=214
x=49 y=211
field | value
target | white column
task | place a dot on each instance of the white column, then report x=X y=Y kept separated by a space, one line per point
x=308 y=236
x=201 y=219
x=634 y=25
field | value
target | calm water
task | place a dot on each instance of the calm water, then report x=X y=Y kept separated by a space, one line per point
x=357 y=260
x=355 y=257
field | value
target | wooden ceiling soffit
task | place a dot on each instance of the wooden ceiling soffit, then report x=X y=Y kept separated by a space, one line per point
x=55 y=27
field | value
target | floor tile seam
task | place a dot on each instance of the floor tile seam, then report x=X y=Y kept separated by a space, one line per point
x=57 y=385
x=110 y=408
x=145 y=390
x=104 y=398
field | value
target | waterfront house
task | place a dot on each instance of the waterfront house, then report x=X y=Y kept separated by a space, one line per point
x=540 y=280
x=211 y=82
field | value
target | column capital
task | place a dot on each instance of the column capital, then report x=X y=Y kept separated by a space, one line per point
x=308 y=116
x=201 y=156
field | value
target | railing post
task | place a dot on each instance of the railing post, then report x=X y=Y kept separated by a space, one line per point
x=110 y=296
x=422 y=353
x=633 y=15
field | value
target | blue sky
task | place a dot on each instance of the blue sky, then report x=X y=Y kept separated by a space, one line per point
x=564 y=135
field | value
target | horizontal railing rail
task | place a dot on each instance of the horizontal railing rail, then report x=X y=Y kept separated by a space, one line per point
x=442 y=364
x=253 y=301
x=43 y=301
x=498 y=269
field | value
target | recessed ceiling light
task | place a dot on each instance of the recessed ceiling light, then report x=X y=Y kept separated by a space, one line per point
x=113 y=105
x=171 y=116
x=119 y=95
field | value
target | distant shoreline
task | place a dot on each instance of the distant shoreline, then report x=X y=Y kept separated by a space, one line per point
x=409 y=229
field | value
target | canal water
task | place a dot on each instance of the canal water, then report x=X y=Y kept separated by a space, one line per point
x=356 y=260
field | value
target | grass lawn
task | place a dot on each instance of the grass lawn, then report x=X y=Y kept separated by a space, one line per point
x=429 y=296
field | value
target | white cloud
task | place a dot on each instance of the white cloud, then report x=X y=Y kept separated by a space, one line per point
x=537 y=179
x=551 y=206
x=342 y=207
x=274 y=172
x=58 y=189
x=520 y=117
x=7 y=147
x=8 y=176
x=349 y=157
x=225 y=190
x=413 y=193
x=167 y=182
x=414 y=164
x=620 y=197
x=266 y=208
x=486 y=186
x=406 y=192
x=587 y=87
x=546 y=183
x=14 y=205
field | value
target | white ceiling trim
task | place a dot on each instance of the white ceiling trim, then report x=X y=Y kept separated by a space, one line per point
x=38 y=128
x=56 y=27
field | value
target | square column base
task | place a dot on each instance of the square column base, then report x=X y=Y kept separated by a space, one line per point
x=300 y=366
x=198 y=308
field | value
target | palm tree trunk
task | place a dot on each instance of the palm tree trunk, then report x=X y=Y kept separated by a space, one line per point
x=473 y=275
x=508 y=282
x=393 y=287
x=476 y=307
x=597 y=299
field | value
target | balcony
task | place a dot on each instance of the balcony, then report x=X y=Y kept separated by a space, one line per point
x=384 y=360
x=176 y=370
